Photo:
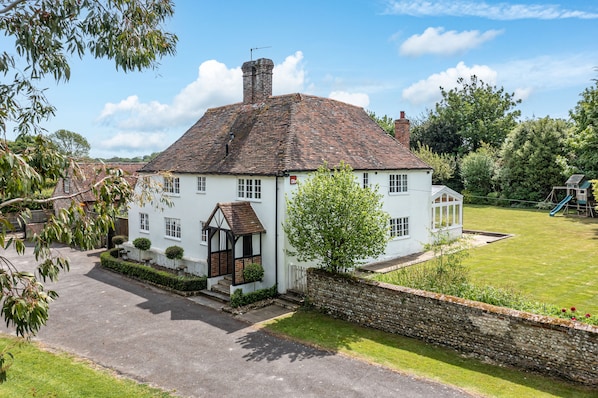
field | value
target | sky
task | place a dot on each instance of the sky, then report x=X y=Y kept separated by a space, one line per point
x=386 y=56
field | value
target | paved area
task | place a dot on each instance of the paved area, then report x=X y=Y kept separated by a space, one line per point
x=195 y=350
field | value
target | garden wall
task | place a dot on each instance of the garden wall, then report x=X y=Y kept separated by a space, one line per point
x=553 y=346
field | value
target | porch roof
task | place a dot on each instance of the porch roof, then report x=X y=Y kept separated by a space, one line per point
x=239 y=216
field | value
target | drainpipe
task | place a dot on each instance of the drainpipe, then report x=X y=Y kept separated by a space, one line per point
x=276 y=234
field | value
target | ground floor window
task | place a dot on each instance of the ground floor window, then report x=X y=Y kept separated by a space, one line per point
x=173 y=227
x=144 y=222
x=399 y=227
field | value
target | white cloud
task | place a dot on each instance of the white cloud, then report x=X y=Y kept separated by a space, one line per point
x=358 y=99
x=428 y=91
x=437 y=41
x=216 y=85
x=132 y=141
x=498 y=11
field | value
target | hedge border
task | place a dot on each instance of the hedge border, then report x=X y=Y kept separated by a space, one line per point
x=182 y=285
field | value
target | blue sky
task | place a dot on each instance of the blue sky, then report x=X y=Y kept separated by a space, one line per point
x=384 y=55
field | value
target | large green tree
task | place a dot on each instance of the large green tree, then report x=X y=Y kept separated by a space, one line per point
x=333 y=220
x=45 y=34
x=477 y=171
x=444 y=165
x=584 y=137
x=533 y=159
x=469 y=115
x=70 y=143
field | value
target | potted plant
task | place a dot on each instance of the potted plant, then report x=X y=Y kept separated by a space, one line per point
x=142 y=244
x=174 y=253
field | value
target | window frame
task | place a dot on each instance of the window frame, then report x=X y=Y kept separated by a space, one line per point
x=399 y=227
x=172 y=228
x=398 y=183
x=144 y=225
x=201 y=184
x=249 y=189
x=204 y=233
x=172 y=185
x=366 y=180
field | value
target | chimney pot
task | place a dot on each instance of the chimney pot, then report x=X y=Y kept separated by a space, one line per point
x=402 y=130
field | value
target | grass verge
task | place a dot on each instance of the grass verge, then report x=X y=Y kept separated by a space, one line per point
x=420 y=359
x=39 y=373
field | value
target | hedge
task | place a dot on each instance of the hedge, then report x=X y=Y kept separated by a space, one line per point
x=238 y=299
x=161 y=278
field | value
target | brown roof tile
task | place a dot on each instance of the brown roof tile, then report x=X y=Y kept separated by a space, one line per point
x=240 y=217
x=285 y=133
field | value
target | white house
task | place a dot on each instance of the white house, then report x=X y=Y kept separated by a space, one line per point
x=229 y=174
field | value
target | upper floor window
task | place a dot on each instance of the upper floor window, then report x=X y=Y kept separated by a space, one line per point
x=366 y=180
x=397 y=183
x=172 y=185
x=144 y=222
x=399 y=227
x=201 y=184
x=172 y=227
x=248 y=188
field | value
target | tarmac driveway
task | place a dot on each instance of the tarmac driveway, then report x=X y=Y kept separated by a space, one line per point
x=194 y=350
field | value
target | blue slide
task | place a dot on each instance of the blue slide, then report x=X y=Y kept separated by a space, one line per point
x=560 y=205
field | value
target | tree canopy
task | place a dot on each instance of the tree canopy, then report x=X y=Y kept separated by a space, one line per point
x=331 y=219
x=584 y=137
x=46 y=33
x=469 y=115
x=70 y=143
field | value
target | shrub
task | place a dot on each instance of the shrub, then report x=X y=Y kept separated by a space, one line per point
x=253 y=272
x=160 y=278
x=119 y=240
x=174 y=252
x=142 y=243
x=238 y=298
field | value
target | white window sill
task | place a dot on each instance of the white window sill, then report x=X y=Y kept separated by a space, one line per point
x=172 y=238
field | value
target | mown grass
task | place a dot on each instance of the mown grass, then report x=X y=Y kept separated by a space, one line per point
x=420 y=359
x=553 y=260
x=39 y=373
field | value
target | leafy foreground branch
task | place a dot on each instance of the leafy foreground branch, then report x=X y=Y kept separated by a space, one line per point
x=446 y=274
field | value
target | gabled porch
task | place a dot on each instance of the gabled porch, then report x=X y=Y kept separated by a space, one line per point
x=234 y=241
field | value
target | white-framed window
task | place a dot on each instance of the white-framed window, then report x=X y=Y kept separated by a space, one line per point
x=204 y=233
x=366 y=180
x=172 y=185
x=248 y=188
x=172 y=227
x=399 y=227
x=397 y=183
x=144 y=222
x=201 y=184
x=66 y=185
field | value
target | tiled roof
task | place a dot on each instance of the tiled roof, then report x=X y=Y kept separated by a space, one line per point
x=240 y=217
x=285 y=133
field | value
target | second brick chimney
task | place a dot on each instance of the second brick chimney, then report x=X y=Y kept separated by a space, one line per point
x=402 y=130
x=257 y=80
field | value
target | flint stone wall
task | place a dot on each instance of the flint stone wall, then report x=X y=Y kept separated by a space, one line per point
x=553 y=346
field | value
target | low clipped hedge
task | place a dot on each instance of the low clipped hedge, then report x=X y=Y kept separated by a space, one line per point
x=238 y=298
x=161 y=278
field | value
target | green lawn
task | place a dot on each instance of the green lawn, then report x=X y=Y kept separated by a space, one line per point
x=550 y=259
x=420 y=359
x=38 y=373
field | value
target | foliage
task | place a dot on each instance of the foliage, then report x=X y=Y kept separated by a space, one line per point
x=444 y=165
x=584 y=137
x=118 y=240
x=477 y=171
x=335 y=221
x=238 y=298
x=149 y=274
x=142 y=243
x=45 y=34
x=253 y=272
x=436 y=134
x=385 y=122
x=70 y=143
x=469 y=115
x=532 y=159
x=174 y=252
x=137 y=159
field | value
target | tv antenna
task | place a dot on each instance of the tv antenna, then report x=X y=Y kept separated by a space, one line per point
x=255 y=48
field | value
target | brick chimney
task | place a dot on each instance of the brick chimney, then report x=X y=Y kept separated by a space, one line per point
x=257 y=80
x=402 y=130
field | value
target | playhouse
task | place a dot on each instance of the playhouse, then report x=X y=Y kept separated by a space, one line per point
x=578 y=197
